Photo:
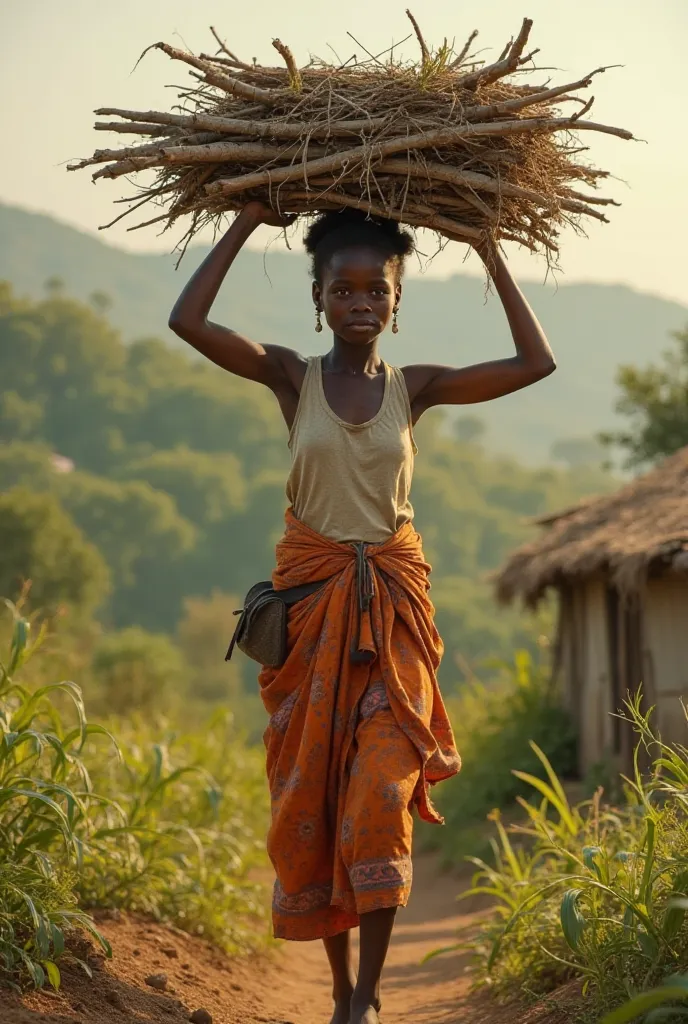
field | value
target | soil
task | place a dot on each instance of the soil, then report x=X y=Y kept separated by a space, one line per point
x=287 y=986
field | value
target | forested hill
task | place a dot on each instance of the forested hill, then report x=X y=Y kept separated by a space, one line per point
x=592 y=328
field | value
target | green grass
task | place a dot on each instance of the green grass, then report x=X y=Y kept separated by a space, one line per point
x=154 y=821
x=592 y=891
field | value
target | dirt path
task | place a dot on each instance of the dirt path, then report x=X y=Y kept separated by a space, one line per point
x=290 y=986
x=428 y=993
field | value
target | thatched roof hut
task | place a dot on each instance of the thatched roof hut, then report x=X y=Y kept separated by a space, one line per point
x=620 y=567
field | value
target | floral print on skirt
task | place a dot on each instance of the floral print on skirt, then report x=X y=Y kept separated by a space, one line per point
x=352 y=744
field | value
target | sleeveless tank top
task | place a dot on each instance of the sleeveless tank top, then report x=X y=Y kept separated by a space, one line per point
x=351 y=481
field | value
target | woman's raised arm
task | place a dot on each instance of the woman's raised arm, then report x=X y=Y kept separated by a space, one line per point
x=272 y=365
x=446 y=385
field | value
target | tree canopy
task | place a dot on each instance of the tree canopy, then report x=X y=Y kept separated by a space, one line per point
x=655 y=400
x=172 y=473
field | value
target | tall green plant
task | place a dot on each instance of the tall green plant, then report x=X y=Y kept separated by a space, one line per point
x=43 y=781
x=595 y=892
x=161 y=821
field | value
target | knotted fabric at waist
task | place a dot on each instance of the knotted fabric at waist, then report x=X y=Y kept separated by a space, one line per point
x=305 y=556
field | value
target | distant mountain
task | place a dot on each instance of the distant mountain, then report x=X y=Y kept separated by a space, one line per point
x=592 y=328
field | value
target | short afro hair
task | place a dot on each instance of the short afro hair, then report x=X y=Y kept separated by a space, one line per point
x=349 y=228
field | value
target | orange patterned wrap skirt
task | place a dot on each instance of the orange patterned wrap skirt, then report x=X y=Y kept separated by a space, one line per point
x=358 y=731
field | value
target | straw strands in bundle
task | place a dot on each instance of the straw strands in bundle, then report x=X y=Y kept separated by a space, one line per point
x=449 y=143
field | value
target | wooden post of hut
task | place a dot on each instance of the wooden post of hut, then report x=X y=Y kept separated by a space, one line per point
x=619 y=565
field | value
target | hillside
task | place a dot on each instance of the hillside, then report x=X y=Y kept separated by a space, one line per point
x=592 y=328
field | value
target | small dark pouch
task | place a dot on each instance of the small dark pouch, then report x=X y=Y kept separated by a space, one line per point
x=261 y=632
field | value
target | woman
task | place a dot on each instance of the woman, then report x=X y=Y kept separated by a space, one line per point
x=358 y=731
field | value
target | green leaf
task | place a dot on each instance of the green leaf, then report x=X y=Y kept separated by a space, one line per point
x=646 y=883
x=675 y=990
x=58 y=940
x=573 y=924
x=53 y=972
x=560 y=806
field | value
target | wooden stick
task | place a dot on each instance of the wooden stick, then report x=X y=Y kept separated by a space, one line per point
x=424 y=140
x=502 y=67
x=130 y=128
x=425 y=52
x=233 y=86
x=292 y=67
x=233 y=58
x=411 y=215
x=593 y=200
x=102 y=156
x=519 y=103
x=238 y=126
x=482 y=182
x=464 y=52
x=213 y=152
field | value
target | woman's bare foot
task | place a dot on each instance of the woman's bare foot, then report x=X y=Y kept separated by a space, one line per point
x=341 y=1014
x=364 y=1015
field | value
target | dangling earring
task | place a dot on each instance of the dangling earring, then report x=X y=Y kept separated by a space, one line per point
x=395 y=325
x=318 y=321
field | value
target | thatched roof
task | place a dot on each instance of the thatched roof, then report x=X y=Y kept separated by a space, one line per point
x=624 y=535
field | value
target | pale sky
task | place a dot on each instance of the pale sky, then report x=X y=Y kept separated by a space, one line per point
x=60 y=59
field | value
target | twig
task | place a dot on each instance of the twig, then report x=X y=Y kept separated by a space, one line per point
x=425 y=52
x=102 y=156
x=132 y=128
x=411 y=215
x=484 y=113
x=292 y=67
x=212 y=152
x=465 y=51
x=238 y=126
x=507 y=63
x=233 y=86
x=223 y=48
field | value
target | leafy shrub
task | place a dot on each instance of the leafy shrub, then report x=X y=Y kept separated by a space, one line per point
x=40 y=542
x=137 y=670
x=185 y=831
x=493 y=726
x=597 y=892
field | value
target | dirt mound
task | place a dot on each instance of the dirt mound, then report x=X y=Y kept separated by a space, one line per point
x=198 y=976
x=289 y=986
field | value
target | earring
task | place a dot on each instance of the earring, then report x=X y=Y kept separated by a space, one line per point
x=318 y=321
x=395 y=325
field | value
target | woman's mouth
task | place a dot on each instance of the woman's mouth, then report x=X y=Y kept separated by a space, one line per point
x=362 y=325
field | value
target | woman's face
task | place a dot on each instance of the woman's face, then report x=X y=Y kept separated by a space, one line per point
x=358 y=293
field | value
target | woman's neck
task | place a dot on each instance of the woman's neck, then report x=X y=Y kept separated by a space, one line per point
x=355 y=360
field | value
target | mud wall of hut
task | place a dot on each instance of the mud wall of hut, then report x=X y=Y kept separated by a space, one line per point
x=666 y=654
x=608 y=647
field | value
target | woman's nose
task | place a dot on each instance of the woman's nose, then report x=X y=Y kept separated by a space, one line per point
x=360 y=304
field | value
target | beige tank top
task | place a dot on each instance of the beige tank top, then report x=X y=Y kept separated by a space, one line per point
x=351 y=482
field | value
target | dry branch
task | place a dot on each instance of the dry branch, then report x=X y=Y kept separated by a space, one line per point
x=461 y=57
x=239 y=126
x=424 y=52
x=448 y=143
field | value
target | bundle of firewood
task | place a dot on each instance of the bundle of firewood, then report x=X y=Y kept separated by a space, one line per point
x=449 y=143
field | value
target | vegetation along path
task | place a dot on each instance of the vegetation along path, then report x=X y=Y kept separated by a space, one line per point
x=289 y=987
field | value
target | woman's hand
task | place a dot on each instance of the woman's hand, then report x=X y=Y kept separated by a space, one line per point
x=264 y=214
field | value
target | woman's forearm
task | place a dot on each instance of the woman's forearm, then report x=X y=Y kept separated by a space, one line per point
x=193 y=305
x=529 y=338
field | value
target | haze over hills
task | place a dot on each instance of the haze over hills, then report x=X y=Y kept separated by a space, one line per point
x=592 y=328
